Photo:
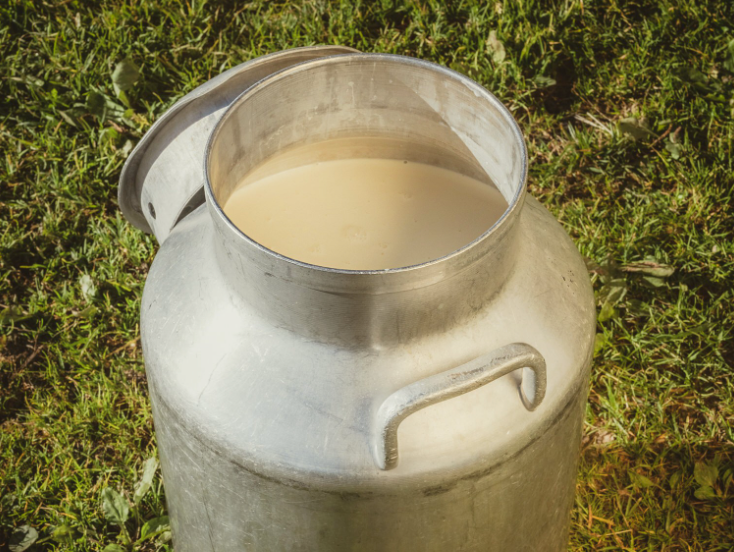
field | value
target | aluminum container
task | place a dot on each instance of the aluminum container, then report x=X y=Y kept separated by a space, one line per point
x=435 y=407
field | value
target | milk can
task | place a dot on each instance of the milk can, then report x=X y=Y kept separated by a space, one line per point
x=435 y=407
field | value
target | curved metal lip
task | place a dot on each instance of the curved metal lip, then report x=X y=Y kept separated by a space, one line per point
x=128 y=192
x=512 y=209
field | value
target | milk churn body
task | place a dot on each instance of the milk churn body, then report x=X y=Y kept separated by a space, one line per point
x=304 y=408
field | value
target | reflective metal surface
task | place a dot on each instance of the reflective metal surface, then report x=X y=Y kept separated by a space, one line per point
x=452 y=383
x=281 y=390
x=162 y=180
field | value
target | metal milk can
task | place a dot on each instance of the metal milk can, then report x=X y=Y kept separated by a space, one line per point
x=435 y=407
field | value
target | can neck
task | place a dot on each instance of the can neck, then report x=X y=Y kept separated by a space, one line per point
x=366 y=308
x=441 y=118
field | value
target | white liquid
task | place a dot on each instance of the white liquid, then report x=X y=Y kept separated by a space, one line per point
x=364 y=214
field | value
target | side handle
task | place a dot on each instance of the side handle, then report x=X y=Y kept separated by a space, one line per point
x=452 y=383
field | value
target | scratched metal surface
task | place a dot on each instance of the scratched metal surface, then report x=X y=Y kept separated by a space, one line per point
x=267 y=375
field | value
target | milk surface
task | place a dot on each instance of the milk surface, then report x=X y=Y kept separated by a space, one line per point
x=364 y=213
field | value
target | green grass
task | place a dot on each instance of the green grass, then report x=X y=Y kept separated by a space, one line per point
x=627 y=109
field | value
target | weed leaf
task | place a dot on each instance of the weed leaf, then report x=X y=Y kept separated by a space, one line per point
x=704 y=493
x=705 y=474
x=606 y=312
x=66 y=117
x=154 y=527
x=675 y=150
x=62 y=534
x=143 y=486
x=22 y=538
x=88 y=289
x=34 y=81
x=634 y=128
x=496 y=48
x=654 y=282
x=651 y=267
x=113 y=548
x=600 y=342
x=127 y=147
x=10 y=315
x=674 y=479
x=640 y=481
x=96 y=104
x=613 y=291
x=699 y=82
x=115 y=507
x=124 y=76
x=544 y=82
x=103 y=107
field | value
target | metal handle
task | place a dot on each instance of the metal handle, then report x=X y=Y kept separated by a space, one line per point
x=451 y=383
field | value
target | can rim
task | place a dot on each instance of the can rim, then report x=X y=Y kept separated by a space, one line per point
x=514 y=205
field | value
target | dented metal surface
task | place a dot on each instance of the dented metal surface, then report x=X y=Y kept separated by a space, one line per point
x=278 y=387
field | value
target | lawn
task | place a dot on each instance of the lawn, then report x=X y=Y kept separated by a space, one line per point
x=627 y=111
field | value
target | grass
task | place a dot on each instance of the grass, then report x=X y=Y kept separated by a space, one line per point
x=627 y=109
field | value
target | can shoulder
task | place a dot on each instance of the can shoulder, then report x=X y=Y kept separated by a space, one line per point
x=299 y=409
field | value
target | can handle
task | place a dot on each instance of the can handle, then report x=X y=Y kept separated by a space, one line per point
x=452 y=383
